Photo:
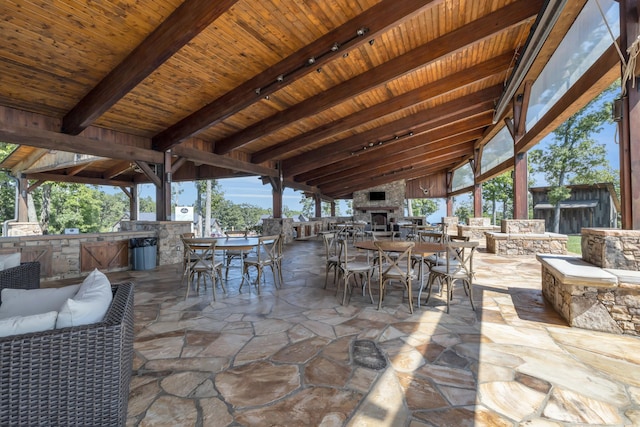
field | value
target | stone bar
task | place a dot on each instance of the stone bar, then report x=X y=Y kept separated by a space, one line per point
x=168 y=234
x=525 y=237
x=611 y=248
x=60 y=255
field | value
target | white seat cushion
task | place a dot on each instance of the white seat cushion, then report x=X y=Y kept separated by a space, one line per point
x=16 y=325
x=89 y=305
x=26 y=302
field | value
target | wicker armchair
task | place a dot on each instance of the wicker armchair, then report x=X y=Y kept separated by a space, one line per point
x=77 y=376
x=24 y=276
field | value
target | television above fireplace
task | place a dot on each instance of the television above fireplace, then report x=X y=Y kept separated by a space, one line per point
x=377 y=195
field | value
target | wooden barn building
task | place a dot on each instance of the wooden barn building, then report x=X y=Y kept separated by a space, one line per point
x=595 y=205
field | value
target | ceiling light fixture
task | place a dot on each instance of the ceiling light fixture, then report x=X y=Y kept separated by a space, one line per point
x=382 y=142
x=335 y=47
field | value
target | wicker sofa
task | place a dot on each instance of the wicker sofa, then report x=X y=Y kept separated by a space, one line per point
x=24 y=276
x=76 y=376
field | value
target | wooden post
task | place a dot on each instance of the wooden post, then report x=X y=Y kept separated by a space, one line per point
x=629 y=126
x=520 y=187
x=318 y=202
x=477 y=200
x=23 y=212
x=449 y=206
x=333 y=208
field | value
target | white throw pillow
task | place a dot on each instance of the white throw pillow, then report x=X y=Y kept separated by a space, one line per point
x=90 y=303
x=26 y=324
x=26 y=302
x=10 y=260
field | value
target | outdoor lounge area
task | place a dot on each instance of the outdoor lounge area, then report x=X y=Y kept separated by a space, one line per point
x=287 y=356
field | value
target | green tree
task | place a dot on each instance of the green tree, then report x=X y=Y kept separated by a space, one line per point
x=574 y=154
x=146 y=204
x=308 y=206
x=112 y=209
x=424 y=207
x=74 y=206
x=463 y=211
x=498 y=189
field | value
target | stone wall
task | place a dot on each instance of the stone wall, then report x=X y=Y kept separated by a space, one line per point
x=59 y=254
x=393 y=205
x=526 y=244
x=168 y=233
x=611 y=248
x=271 y=226
x=23 y=229
x=452 y=224
x=479 y=222
x=522 y=226
x=612 y=307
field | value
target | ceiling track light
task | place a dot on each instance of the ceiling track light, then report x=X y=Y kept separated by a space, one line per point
x=381 y=142
x=335 y=47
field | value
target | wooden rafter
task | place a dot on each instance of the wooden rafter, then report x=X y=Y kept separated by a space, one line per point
x=429 y=52
x=333 y=161
x=397 y=103
x=186 y=22
x=376 y=20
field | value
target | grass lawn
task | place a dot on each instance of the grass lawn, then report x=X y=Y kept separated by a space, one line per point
x=573 y=244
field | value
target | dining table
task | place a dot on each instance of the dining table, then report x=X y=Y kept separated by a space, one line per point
x=420 y=250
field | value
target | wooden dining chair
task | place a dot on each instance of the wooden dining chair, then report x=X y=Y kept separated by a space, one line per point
x=349 y=268
x=267 y=255
x=201 y=262
x=231 y=254
x=458 y=266
x=394 y=264
x=331 y=256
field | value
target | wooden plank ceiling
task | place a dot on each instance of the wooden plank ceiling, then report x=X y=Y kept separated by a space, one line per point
x=340 y=95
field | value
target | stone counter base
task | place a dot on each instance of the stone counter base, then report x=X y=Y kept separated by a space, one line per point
x=476 y=232
x=526 y=244
x=590 y=297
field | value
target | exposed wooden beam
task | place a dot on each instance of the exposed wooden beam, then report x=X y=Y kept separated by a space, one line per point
x=78 y=179
x=74 y=144
x=178 y=164
x=397 y=103
x=377 y=19
x=150 y=173
x=431 y=152
x=331 y=159
x=29 y=161
x=346 y=188
x=199 y=156
x=453 y=41
x=77 y=169
x=116 y=170
x=186 y=22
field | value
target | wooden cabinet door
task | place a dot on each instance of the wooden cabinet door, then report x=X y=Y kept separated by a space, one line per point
x=104 y=255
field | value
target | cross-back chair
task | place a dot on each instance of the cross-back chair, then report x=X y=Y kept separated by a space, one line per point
x=394 y=264
x=201 y=261
x=458 y=266
x=231 y=254
x=331 y=256
x=268 y=254
x=349 y=268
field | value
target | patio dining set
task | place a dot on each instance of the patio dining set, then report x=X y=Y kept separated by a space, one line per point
x=429 y=256
x=206 y=258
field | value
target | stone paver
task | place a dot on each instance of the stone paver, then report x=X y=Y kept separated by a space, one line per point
x=283 y=358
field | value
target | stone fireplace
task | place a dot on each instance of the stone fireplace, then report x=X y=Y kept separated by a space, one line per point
x=368 y=207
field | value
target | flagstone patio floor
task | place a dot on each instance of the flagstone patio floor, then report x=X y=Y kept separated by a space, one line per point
x=284 y=358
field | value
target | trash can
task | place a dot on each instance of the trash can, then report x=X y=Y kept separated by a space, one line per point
x=143 y=252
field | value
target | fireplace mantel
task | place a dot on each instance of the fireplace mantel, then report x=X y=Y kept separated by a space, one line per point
x=376 y=208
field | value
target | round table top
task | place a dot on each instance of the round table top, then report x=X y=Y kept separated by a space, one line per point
x=421 y=248
x=238 y=243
